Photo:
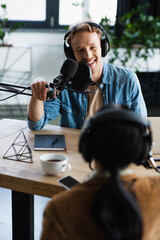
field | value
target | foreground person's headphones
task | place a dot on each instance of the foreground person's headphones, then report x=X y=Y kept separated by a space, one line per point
x=118 y=115
x=104 y=41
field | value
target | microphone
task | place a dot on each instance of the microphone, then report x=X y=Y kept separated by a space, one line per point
x=152 y=162
x=75 y=76
x=82 y=77
x=67 y=72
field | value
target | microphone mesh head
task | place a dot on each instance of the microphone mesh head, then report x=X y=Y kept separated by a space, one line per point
x=82 y=77
x=69 y=68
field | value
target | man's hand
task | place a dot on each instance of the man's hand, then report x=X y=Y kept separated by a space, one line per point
x=39 y=94
x=39 y=89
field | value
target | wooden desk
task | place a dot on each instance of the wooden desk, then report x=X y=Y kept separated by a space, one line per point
x=32 y=178
x=27 y=179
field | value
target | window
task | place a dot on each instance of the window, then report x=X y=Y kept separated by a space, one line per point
x=58 y=13
x=71 y=11
x=33 y=13
x=26 y=10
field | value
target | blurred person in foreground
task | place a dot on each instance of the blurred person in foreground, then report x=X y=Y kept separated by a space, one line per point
x=113 y=203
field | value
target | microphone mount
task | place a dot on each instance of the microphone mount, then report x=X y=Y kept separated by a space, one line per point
x=58 y=85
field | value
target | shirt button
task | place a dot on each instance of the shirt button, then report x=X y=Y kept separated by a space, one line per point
x=69 y=110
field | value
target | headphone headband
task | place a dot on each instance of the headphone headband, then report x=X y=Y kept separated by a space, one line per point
x=92 y=24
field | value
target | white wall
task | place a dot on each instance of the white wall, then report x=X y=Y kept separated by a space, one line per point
x=46 y=60
x=47 y=51
x=152 y=64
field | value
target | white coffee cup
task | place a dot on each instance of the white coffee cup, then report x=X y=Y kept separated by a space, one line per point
x=53 y=163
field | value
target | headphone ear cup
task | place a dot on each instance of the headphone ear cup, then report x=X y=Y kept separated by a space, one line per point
x=105 y=47
x=85 y=146
x=68 y=52
x=146 y=148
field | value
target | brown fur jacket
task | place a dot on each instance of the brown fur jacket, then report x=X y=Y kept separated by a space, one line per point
x=67 y=215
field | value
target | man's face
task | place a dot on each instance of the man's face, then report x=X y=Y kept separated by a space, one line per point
x=86 y=47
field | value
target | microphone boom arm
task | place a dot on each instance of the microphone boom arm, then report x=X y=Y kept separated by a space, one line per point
x=5 y=87
x=15 y=91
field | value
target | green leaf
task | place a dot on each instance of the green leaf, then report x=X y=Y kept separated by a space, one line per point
x=150 y=18
x=4 y=6
x=2 y=35
x=88 y=15
x=158 y=24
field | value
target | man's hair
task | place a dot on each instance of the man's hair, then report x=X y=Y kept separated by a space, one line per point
x=82 y=27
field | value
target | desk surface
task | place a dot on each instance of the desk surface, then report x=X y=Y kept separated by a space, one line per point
x=29 y=177
x=9 y=126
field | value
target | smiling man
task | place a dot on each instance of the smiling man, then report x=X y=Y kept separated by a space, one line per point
x=86 y=47
x=86 y=42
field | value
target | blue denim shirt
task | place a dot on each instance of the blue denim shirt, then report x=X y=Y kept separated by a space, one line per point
x=119 y=85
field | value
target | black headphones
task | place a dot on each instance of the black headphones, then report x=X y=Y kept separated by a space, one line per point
x=104 y=41
x=118 y=115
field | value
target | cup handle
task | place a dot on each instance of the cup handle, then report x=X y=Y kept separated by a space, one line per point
x=66 y=167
